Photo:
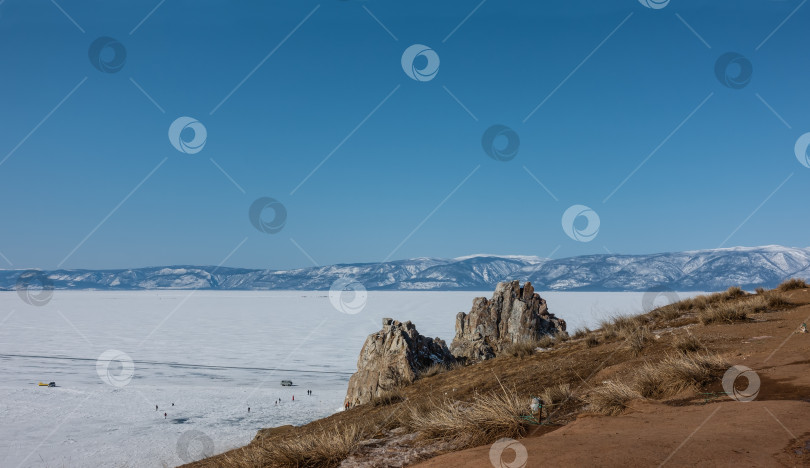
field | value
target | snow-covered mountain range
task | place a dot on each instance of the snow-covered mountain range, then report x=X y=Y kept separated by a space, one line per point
x=702 y=270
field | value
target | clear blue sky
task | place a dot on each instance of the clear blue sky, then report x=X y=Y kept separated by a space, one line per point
x=638 y=74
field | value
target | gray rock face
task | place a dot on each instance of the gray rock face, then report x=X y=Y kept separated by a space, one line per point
x=513 y=314
x=392 y=357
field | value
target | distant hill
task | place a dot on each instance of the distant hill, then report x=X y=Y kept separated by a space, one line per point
x=702 y=270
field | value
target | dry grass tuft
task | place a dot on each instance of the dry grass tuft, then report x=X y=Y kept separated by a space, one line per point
x=637 y=339
x=673 y=374
x=324 y=448
x=561 y=337
x=526 y=348
x=556 y=394
x=439 y=368
x=688 y=344
x=546 y=341
x=668 y=313
x=719 y=313
x=611 y=398
x=733 y=293
x=522 y=349
x=777 y=300
x=793 y=283
x=581 y=333
x=622 y=326
x=486 y=419
x=591 y=341
x=700 y=303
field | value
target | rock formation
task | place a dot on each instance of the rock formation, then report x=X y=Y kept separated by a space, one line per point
x=392 y=357
x=513 y=314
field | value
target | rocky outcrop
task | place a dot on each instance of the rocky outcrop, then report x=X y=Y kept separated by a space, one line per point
x=513 y=314
x=392 y=357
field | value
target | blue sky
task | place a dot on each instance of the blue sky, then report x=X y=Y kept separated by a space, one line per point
x=98 y=184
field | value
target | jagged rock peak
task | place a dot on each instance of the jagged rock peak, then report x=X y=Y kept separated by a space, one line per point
x=392 y=357
x=513 y=314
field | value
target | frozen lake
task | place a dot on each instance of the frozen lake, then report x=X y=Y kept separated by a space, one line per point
x=212 y=354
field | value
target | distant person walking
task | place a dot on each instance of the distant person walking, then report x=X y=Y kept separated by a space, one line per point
x=293 y=397
x=155 y=407
x=248 y=409
x=164 y=415
x=347 y=406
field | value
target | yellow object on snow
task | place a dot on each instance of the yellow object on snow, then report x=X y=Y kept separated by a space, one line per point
x=43 y=384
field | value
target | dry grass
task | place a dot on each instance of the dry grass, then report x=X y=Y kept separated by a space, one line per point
x=561 y=337
x=546 y=341
x=637 y=339
x=719 y=313
x=688 y=344
x=388 y=397
x=777 y=300
x=522 y=349
x=674 y=374
x=699 y=303
x=591 y=341
x=486 y=419
x=556 y=394
x=739 y=310
x=611 y=398
x=581 y=333
x=439 y=368
x=324 y=448
x=526 y=348
x=793 y=283
x=624 y=325
x=668 y=313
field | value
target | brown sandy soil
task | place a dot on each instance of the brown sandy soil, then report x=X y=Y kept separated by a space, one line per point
x=697 y=427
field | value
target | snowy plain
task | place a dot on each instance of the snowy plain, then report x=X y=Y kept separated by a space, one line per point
x=212 y=354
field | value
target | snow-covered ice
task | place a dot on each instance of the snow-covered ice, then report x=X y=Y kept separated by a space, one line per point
x=211 y=353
